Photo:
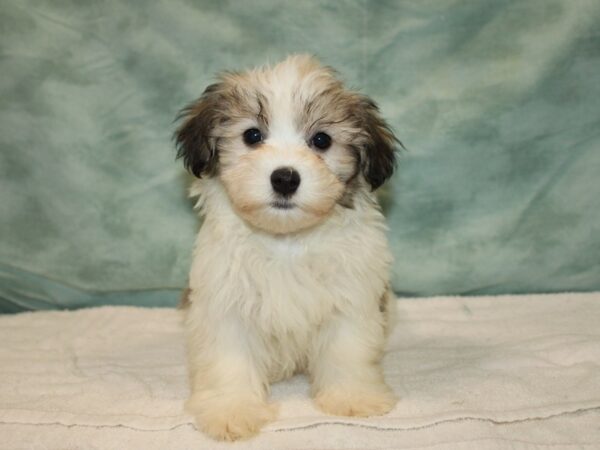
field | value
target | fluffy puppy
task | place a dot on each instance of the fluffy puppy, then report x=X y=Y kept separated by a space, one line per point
x=290 y=267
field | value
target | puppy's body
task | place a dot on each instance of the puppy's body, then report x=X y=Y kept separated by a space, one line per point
x=286 y=283
x=284 y=289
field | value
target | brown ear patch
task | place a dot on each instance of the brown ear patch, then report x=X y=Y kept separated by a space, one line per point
x=380 y=150
x=194 y=140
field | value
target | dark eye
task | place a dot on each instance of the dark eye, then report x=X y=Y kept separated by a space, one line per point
x=252 y=136
x=322 y=141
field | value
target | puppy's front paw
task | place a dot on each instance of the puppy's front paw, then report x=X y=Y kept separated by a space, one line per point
x=361 y=400
x=230 y=419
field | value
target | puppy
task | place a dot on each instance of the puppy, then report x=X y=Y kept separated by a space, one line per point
x=291 y=264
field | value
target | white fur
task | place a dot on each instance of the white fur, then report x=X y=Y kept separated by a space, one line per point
x=266 y=303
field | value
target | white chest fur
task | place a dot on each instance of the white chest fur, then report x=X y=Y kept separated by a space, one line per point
x=283 y=283
x=281 y=289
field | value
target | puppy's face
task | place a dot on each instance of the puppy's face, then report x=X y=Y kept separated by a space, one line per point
x=288 y=143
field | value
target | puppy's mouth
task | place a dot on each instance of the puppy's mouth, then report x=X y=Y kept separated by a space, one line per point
x=282 y=204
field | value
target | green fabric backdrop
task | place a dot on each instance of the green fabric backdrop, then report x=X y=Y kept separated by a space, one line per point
x=496 y=101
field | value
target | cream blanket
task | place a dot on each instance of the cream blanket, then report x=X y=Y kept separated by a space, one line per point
x=472 y=373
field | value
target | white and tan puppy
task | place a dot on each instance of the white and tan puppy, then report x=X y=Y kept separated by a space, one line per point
x=290 y=267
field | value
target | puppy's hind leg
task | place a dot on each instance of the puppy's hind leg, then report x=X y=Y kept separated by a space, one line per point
x=229 y=392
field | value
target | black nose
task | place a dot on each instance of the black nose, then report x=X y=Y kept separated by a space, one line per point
x=285 y=181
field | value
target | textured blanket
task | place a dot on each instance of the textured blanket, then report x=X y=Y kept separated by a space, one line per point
x=478 y=372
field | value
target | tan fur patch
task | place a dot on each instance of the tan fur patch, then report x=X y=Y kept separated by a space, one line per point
x=184 y=300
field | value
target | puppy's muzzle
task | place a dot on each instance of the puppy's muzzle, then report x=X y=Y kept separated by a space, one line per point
x=285 y=181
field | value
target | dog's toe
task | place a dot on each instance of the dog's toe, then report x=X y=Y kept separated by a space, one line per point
x=235 y=421
x=356 y=401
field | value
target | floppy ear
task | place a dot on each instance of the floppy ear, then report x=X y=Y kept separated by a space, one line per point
x=379 y=153
x=194 y=139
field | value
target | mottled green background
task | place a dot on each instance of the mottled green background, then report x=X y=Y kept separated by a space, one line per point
x=498 y=103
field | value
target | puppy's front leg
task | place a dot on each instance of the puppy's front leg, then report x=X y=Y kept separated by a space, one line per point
x=347 y=378
x=229 y=393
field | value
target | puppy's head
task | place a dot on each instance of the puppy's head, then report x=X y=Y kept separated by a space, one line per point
x=288 y=143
